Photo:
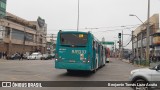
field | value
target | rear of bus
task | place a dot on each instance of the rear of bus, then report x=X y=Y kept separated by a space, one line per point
x=73 y=51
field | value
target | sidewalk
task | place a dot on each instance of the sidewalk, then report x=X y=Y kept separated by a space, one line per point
x=2 y=59
x=127 y=61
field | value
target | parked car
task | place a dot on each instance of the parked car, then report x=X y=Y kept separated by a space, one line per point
x=52 y=55
x=144 y=76
x=14 y=56
x=48 y=56
x=25 y=56
x=44 y=57
x=35 y=56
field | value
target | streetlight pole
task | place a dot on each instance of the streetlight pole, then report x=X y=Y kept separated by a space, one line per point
x=136 y=17
x=148 y=34
x=141 y=49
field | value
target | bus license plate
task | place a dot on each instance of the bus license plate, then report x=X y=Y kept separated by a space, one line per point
x=72 y=61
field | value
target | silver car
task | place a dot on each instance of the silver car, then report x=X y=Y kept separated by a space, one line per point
x=35 y=56
x=148 y=76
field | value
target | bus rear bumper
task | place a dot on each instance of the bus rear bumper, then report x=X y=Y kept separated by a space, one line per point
x=73 y=66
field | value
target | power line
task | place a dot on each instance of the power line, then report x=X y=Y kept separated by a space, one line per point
x=95 y=27
x=120 y=26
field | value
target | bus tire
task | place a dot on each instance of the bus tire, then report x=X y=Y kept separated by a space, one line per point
x=94 y=71
x=69 y=71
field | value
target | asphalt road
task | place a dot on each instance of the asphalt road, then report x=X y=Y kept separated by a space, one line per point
x=43 y=70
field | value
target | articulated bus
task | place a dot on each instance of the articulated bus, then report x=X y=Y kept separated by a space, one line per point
x=78 y=51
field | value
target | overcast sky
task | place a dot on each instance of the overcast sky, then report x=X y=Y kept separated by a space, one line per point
x=102 y=14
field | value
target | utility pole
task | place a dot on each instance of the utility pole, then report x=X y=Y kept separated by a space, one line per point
x=133 y=44
x=122 y=46
x=115 y=49
x=148 y=34
x=141 y=49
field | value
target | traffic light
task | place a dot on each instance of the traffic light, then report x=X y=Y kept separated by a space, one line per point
x=119 y=35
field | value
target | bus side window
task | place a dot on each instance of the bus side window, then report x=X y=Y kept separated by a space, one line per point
x=62 y=39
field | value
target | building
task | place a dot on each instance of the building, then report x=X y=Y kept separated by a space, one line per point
x=139 y=38
x=2 y=8
x=20 y=35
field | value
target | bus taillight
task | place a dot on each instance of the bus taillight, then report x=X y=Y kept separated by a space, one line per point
x=88 y=59
x=56 y=56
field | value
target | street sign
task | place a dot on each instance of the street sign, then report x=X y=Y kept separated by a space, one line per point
x=108 y=43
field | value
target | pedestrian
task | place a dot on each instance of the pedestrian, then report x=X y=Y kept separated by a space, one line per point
x=21 y=56
x=4 y=55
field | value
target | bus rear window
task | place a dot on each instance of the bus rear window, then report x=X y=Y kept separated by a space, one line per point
x=73 y=39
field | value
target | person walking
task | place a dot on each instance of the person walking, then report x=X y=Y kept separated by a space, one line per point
x=21 y=56
x=5 y=55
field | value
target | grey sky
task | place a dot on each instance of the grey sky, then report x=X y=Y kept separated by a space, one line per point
x=102 y=14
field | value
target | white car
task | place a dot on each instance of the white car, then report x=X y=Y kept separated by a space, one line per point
x=35 y=56
x=144 y=76
x=44 y=56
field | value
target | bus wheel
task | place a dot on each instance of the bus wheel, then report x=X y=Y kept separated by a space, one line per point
x=69 y=71
x=94 y=71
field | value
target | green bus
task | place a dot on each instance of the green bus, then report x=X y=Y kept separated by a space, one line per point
x=78 y=51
